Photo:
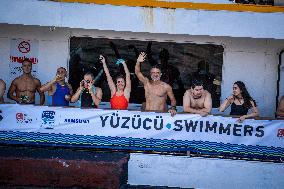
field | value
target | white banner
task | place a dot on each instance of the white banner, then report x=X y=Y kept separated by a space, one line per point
x=21 y=49
x=146 y=129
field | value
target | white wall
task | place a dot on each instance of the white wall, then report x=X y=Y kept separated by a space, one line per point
x=142 y=19
x=187 y=172
x=254 y=61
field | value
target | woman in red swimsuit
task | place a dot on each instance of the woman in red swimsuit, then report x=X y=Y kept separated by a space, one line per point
x=120 y=92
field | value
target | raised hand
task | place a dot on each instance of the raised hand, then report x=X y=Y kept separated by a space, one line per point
x=82 y=83
x=102 y=59
x=230 y=97
x=90 y=87
x=141 y=57
x=57 y=78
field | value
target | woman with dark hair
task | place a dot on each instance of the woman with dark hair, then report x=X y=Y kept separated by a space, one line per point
x=120 y=90
x=240 y=102
x=88 y=95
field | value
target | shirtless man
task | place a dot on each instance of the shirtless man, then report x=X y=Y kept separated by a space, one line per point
x=2 y=90
x=156 y=91
x=25 y=86
x=197 y=100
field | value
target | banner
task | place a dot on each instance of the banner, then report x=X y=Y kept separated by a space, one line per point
x=135 y=130
x=21 y=49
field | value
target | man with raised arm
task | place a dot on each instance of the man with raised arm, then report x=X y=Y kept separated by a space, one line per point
x=25 y=86
x=196 y=100
x=156 y=91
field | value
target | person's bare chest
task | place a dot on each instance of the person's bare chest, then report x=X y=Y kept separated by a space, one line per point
x=155 y=90
x=197 y=103
x=26 y=84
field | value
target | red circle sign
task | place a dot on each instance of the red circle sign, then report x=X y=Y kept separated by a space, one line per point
x=24 y=47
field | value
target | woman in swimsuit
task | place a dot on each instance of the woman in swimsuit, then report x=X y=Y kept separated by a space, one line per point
x=240 y=102
x=120 y=92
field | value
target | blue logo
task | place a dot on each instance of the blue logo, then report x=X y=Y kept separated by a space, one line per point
x=76 y=121
x=169 y=126
x=48 y=119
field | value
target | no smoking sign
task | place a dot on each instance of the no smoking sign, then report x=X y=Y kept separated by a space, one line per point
x=24 y=47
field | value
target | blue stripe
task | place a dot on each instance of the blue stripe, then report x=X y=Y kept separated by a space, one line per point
x=159 y=145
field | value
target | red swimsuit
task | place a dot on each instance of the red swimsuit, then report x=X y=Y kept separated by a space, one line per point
x=118 y=102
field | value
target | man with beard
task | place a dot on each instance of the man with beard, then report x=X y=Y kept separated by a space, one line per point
x=25 y=86
x=156 y=91
x=196 y=100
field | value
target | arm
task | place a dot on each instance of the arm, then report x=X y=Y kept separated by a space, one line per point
x=109 y=78
x=68 y=97
x=228 y=101
x=127 y=89
x=41 y=94
x=76 y=96
x=138 y=73
x=70 y=89
x=48 y=85
x=280 y=109
x=254 y=113
x=207 y=104
x=186 y=102
x=12 y=90
x=97 y=97
x=170 y=94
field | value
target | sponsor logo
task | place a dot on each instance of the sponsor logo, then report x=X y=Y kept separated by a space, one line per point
x=280 y=133
x=76 y=120
x=23 y=118
x=48 y=119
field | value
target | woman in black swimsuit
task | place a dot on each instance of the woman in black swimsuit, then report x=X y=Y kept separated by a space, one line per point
x=240 y=103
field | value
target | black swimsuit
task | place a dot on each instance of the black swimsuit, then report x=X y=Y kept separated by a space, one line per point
x=86 y=100
x=238 y=110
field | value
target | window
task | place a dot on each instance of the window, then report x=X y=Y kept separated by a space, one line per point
x=180 y=62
